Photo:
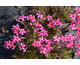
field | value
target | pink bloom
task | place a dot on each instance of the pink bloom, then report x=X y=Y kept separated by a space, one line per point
x=77 y=52
x=15 y=27
x=6 y=45
x=73 y=26
x=11 y=44
x=50 y=25
x=56 y=38
x=16 y=32
x=21 y=46
x=48 y=41
x=73 y=16
x=63 y=39
x=22 y=31
x=43 y=50
x=37 y=24
x=32 y=18
x=41 y=16
x=49 y=17
x=77 y=9
x=16 y=39
x=48 y=47
x=22 y=17
x=57 y=22
x=35 y=43
x=41 y=39
x=69 y=45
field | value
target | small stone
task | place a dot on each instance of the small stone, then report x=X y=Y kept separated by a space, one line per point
x=4 y=23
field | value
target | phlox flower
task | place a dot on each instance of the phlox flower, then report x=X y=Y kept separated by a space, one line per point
x=22 y=18
x=33 y=18
x=77 y=9
x=43 y=50
x=57 y=22
x=35 y=43
x=21 y=46
x=11 y=44
x=48 y=41
x=22 y=31
x=16 y=38
x=15 y=27
x=37 y=24
x=50 y=25
x=39 y=16
x=49 y=17
x=63 y=39
x=56 y=38
x=48 y=47
x=73 y=16
x=73 y=26
x=69 y=45
x=6 y=45
x=41 y=39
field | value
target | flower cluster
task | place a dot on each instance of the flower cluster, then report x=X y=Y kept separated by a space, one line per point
x=41 y=43
x=67 y=38
x=16 y=38
x=54 y=22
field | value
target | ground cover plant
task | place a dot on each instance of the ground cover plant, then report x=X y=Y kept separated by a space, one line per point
x=36 y=36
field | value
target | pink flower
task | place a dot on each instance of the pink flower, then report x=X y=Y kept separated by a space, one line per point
x=22 y=17
x=69 y=45
x=15 y=27
x=49 y=17
x=32 y=18
x=63 y=39
x=57 y=22
x=41 y=16
x=50 y=25
x=11 y=44
x=56 y=38
x=37 y=24
x=6 y=45
x=77 y=52
x=35 y=43
x=43 y=50
x=77 y=9
x=41 y=39
x=16 y=39
x=22 y=31
x=73 y=16
x=48 y=41
x=21 y=46
x=48 y=47
x=73 y=26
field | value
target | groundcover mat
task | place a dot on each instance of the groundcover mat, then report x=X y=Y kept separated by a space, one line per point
x=39 y=32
